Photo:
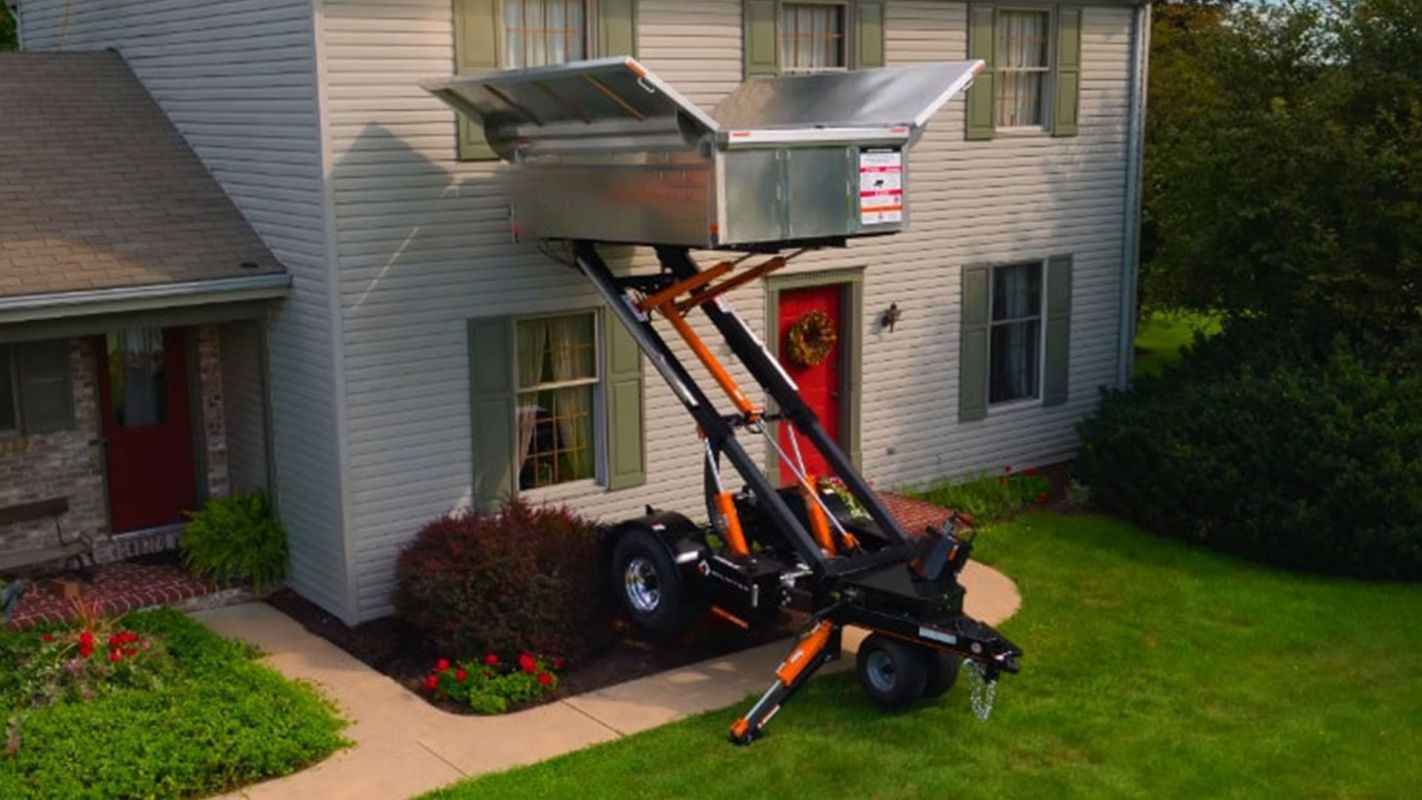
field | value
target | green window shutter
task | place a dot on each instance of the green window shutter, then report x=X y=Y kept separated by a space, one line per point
x=46 y=396
x=617 y=28
x=476 y=48
x=1058 y=352
x=869 y=33
x=973 y=346
x=492 y=392
x=762 y=37
x=626 y=423
x=982 y=38
x=1067 y=95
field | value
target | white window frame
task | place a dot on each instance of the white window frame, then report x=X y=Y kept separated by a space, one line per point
x=1040 y=316
x=555 y=492
x=1049 y=81
x=846 y=21
x=589 y=32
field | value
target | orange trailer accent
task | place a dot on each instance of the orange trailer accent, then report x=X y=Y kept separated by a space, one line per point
x=723 y=378
x=819 y=523
x=735 y=535
x=680 y=287
x=805 y=651
x=735 y=282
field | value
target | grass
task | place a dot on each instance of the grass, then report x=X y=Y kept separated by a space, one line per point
x=1162 y=336
x=1151 y=670
x=989 y=497
x=219 y=720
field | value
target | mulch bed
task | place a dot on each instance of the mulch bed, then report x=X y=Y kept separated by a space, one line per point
x=395 y=650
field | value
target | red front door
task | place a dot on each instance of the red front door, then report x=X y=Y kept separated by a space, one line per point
x=143 y=394
x=821 y=383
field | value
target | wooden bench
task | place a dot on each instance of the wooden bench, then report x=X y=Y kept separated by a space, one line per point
x=60 y=552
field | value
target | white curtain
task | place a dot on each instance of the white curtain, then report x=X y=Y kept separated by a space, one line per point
x=568 y=336
x=1022 y=44
x=1016 y=294
x=532 y=344
x=539 y=32
x=812 y=36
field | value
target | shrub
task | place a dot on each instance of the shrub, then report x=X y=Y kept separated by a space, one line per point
x=236 y=536
x=492 y=685
x=1282 y=447
x=990 y=497
x=526 y=579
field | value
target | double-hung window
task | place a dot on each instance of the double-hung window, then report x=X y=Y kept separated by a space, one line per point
x=557 y=399
x=540 y=32
x=812 y=37
x=1015 y=340
x=35 y=390
x=1023 y=68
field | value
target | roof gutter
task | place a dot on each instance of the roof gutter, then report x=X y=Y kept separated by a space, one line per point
x=89 y=302
x=1130 y=240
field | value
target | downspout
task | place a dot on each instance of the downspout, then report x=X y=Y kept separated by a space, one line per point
x=14 y=10
x=1130 y=239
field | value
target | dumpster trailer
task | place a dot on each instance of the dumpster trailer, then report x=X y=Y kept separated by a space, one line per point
x=605 y=152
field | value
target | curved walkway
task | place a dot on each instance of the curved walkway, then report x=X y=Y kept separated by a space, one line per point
x=404 y=746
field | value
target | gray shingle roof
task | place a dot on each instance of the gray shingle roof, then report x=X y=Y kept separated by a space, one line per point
x=98 y=190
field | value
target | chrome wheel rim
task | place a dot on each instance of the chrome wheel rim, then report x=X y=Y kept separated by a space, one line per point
x=643 y=588
x=881 y=672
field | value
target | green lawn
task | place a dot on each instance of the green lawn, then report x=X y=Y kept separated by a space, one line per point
x=1162 y=336
x=216 y=720
x=1151 y=670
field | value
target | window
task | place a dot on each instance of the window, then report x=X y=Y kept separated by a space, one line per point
x=540 y=32
x=812 y=37
x=9 y=412
x=557 y=368
x=137 y=382
x=1023 y=56
x=1014 y=344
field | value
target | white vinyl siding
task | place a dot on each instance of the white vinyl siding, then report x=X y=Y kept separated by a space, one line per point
x=238 y=80
x=424 y=245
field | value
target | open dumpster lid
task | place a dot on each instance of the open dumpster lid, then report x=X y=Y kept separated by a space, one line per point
x=615 y=95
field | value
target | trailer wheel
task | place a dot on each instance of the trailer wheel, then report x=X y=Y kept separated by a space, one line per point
x=892 y=672
x=649 y=585
x=942 y=671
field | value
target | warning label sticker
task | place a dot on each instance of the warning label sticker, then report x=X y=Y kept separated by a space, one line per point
x=881 y=187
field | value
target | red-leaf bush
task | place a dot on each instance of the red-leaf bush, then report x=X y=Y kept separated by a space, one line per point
x=526 y=579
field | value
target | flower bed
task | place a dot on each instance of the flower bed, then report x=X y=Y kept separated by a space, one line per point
x=151 y=704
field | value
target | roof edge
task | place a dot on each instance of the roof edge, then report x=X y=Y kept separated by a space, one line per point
x=89 y=302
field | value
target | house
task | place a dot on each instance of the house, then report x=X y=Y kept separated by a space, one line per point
x=133 y=296
x=420 y=345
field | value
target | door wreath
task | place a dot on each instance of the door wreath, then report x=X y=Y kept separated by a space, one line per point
x=811 y=338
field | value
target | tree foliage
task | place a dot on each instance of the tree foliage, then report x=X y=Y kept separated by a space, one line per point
x=9 y=32
x=1284 y=161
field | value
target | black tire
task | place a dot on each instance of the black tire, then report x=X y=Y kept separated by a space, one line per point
x=649 y=586
x=893 y=673
x=942 y=671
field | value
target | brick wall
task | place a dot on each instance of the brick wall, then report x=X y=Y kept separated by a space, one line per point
x=213 y=424
x=62 y=464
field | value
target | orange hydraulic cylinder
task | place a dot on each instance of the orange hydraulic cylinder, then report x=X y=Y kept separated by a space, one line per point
x=805 y=651
x=727 y=383
x=735 y=536
x=819 y=523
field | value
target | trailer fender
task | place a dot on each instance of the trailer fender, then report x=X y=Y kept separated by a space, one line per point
x=684 y=540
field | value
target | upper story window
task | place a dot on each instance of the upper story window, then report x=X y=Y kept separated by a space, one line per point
x=1014 y=346
x=557 y=368
x=1023 y=68
x=812 y=37
x=541 y=32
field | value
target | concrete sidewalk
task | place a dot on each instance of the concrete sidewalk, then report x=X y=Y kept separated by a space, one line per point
x=405 y=746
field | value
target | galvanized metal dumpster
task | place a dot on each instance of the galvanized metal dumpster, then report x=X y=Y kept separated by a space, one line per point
x=609 y=152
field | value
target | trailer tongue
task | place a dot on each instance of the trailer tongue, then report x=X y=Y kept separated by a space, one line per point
x=607 y=152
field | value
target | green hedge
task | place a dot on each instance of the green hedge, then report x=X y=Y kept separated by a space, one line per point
x=1301 y=451
x=220 y=720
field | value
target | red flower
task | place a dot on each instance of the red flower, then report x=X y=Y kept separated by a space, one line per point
x=527 y=664
x=491 y=659
x=544 y=679
x=1031 y=472
x=558 y=663
x=461 y=675
x=115 y=656
x=1041 y=498
x=431 y=682
x=442 y=665
x=86 y=644
x=47 y=638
